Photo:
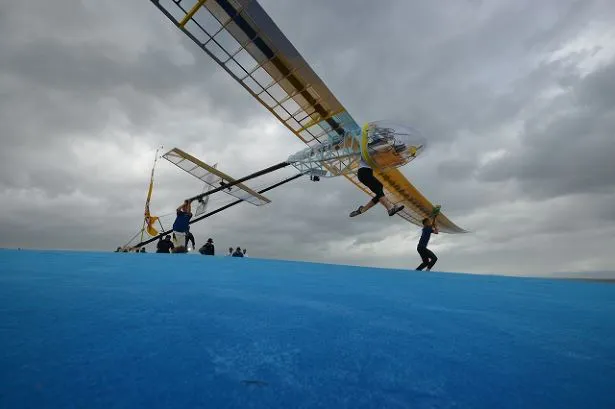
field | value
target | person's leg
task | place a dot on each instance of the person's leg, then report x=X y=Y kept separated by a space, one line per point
x=179 y=239
x=367 y=178
x=424 y=257
x=432 y=259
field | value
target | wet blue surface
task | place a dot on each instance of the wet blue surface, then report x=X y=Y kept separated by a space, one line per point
x=118 y=330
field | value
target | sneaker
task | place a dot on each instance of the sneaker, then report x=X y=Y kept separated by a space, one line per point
x=356 y=212
x=395 y=209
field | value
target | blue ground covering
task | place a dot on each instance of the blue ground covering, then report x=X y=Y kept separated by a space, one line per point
x=94 y=330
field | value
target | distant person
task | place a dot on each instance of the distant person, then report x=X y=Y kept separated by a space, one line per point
x=237 y=252
x=118 y=250
x=428 y=257
x=208 y=248
x=230 y=252
x=181 y=227
x=164 y=245
x=245 y=252
x=142 y=250
x=367 y=178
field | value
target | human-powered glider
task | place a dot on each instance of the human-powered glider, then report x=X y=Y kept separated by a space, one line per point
x=241 y=37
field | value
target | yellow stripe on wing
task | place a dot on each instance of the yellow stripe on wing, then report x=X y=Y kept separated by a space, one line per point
x=192 y=12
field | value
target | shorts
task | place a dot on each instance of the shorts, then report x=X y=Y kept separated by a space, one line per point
x=179 y=239
x=366 y=176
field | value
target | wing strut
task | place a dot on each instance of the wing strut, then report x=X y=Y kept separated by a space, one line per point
x=218 y=210
x=243 y=179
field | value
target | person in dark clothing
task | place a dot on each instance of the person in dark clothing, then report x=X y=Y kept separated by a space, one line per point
x=208 y=248
x=428 y=257
x=164 y=245
x=238 y=252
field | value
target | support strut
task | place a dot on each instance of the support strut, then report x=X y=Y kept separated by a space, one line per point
x=243 y=179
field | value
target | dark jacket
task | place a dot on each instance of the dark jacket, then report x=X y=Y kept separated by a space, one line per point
x=164 y=246
x=208 y=249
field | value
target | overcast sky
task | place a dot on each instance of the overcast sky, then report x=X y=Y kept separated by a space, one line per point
x=516 y=99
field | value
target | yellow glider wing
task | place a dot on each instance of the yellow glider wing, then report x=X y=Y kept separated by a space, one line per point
x=241 y=37
x=416 y=206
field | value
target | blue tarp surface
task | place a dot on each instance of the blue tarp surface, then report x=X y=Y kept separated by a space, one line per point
x=120 y=330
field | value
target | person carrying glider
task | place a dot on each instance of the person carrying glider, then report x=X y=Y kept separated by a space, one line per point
x=181 y=226
x=428 y=257
x=366 y=176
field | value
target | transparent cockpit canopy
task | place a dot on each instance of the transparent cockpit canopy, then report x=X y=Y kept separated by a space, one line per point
x=392 y=144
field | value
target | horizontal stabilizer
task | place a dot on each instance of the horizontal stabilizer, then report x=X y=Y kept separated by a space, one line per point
x=213 y=177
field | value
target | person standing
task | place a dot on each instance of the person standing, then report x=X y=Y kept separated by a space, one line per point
x=428 y=257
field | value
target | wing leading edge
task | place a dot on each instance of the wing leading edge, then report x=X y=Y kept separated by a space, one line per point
x=241 y=37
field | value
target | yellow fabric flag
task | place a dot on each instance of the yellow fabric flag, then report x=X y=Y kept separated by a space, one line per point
x=150 y=220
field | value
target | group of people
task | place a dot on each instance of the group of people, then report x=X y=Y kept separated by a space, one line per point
x=181 y=237
x=167 y=245
x=130 y=249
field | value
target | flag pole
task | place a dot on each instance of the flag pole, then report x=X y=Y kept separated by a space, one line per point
x=146 y=214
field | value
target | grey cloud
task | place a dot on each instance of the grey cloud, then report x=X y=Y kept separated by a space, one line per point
x=569 y=149
x=456 y=170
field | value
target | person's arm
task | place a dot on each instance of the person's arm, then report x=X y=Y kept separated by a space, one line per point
x=184 y=207
x=435 y=226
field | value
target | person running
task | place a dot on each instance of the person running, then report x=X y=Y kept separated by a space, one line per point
x=428 y=257
x=181 y=226
x=366 y=176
